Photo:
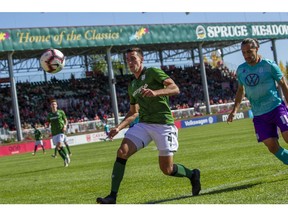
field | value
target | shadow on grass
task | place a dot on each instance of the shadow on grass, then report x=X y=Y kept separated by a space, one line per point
x=208 y=192
x=30 y=172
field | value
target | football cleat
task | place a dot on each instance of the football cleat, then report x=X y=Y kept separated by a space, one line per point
x=68 y=159
x=195 y=182
x=66 y=164
x=107 y=200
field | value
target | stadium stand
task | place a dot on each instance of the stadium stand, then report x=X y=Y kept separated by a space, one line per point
x=89 y=98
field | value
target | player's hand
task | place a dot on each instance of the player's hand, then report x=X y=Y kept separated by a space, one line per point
x=113 y=132
x=230 y=117
x=148 y=92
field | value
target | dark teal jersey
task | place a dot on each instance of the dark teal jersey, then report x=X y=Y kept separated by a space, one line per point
x=260 y=85
x=154 y=110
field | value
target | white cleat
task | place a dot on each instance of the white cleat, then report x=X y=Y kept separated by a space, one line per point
x=66 y=164
x=68 y=159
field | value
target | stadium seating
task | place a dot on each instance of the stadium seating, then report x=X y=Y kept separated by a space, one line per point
x=83 y=99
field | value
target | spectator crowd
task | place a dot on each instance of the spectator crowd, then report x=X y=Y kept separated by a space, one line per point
x=89 y=98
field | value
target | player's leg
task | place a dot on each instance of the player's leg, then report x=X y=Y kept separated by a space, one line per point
x=42 y=146
x=266 y=129
x=55 y=153
x=273 y=146
x=61 y=151
x=68 y=148
x=282 y=123
x=59 y=139
x=126 y=149
x=167 y=143
x=178 y=170
x=135 y=139
x=35 y=148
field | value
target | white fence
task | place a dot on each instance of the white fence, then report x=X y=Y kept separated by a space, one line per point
x=92 y=126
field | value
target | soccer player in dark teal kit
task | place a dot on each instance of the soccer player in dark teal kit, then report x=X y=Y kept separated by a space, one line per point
x=257 y=79
x=149 y=97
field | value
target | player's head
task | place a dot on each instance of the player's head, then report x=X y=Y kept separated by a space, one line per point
x=53 y=104
x=253 y=42
x=249 y=48
x=135 y=49
x=134 y=59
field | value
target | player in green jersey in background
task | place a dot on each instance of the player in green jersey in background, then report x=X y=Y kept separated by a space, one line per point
x=38 y=140
x=149 y=96
x=58 y=121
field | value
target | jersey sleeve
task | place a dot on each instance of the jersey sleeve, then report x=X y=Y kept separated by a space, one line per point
x=238 y=75
x=158 y=74
x=63 y=115
x=276 y=71
x=131 y=98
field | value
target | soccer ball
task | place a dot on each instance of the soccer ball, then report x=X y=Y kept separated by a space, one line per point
x=52 y=61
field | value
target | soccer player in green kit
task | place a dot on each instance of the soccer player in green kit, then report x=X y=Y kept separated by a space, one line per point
x=38 y=140
x=149 y=97
x=58 y=121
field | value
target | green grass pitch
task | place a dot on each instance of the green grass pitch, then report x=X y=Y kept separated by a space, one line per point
x=235 y=169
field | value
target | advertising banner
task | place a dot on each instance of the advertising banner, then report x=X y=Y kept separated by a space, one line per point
x=239 y=115
x=198 y=121
x=22 y=148
x=24 y=39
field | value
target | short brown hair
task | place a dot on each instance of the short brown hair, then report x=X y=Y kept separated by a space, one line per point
x=135 y=49
x=52 y=101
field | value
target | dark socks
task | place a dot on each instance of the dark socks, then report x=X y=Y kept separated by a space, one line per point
x=181 y=171
x=117 y=175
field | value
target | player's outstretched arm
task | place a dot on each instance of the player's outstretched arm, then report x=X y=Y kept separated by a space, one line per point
x=238 y=99
x=130 y=116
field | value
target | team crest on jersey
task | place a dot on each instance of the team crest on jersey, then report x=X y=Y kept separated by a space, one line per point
x=143 y=77
x=252 y=80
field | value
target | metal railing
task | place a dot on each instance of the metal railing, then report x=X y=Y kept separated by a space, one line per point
x=7 y=136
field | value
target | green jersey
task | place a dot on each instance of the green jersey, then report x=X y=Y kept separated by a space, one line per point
x=57 y=121
x=153 y=110
x=38 y=134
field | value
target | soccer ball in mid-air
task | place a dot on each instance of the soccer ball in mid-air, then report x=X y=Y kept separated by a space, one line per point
x=52 y=61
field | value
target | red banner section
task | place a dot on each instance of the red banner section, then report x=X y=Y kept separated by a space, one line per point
x=22 y=148
x=178 y=124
